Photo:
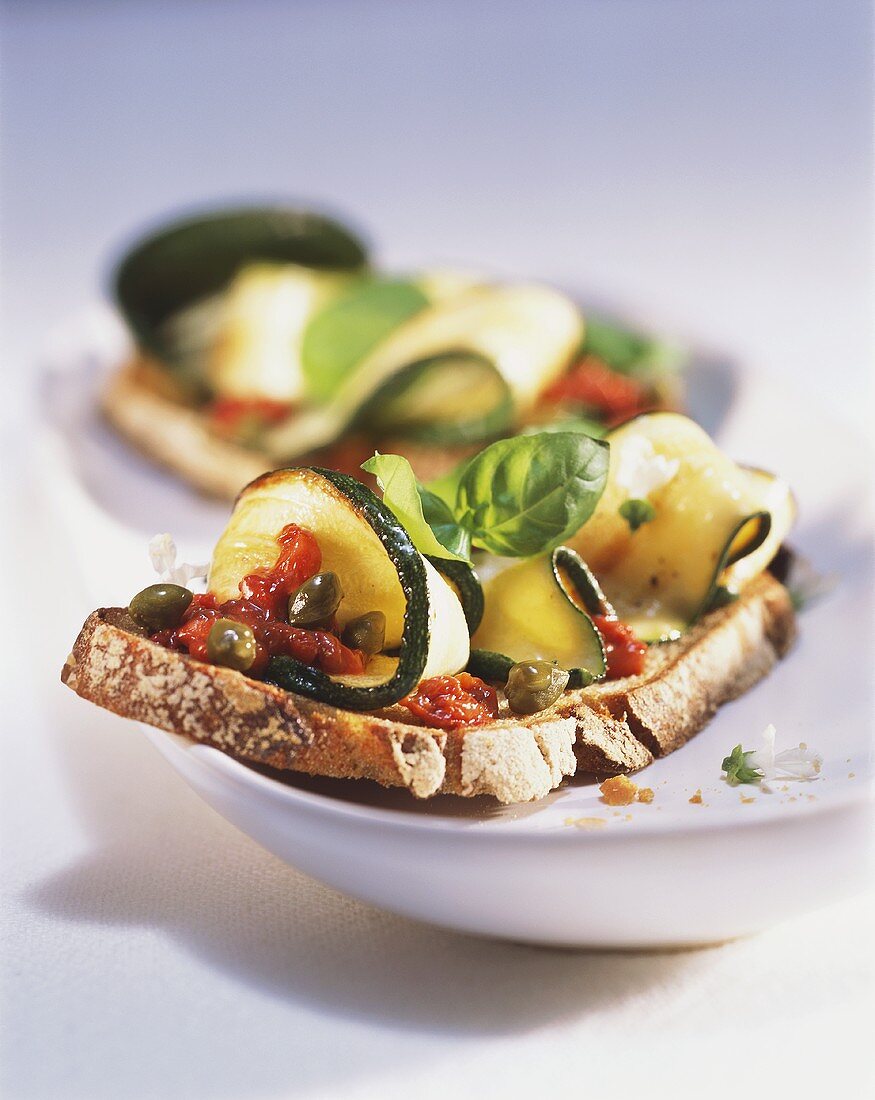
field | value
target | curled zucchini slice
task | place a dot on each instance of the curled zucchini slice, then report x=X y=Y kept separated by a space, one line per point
x=578 y=582
x=715 y=524
x=379 y=569
x=457 y=370
x=466 y=584
x=193 y=259
x=529 y=615
x=257 y=352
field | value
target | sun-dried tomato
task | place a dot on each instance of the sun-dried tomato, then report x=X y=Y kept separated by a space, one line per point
x=452 y=701
x=611 y=396
x=245 y=418
x=623 y=650
x=263 y=605
x=299 y=559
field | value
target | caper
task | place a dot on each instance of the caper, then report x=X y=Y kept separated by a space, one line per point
x=534 y=685
x=160 y=606
x=316 y=600
x=231 y=644
x=367 y=633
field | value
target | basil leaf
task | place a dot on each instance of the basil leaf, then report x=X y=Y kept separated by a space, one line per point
x=582 y=424
x=440 y=519
x=626 y=351
x=523 y=496
x=344 y=331
x=636 y=512
x=401 y=495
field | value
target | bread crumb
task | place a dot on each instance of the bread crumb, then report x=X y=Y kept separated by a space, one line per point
x=586 y=822
x=619 y=790
x=645 y=794
x=852 y=775
x=747 y=798
x=697 y=798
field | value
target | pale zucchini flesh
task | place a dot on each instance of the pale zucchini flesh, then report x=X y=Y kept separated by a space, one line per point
x=265 y=312
x=525 y=336
x=711 y=513
x=528 y=616
x=378 y=567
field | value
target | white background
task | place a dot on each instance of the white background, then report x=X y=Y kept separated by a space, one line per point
x=706 y=165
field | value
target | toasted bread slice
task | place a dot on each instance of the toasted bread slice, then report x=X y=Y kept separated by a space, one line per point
x=608 y=728
x=177 y=436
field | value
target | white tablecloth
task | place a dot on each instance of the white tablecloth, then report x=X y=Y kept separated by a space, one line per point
x=703 y=163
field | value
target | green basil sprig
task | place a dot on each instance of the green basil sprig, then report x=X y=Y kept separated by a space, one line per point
x=345 y=330
x=424 y=516
x=519 y=497
x=626 y=351
x=523 y=496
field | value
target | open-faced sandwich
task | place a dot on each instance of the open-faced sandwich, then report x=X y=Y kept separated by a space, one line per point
x=557 y=603
x=263 y=337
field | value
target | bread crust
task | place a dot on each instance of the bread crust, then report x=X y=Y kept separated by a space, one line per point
x=177 y=436
x=605 y=729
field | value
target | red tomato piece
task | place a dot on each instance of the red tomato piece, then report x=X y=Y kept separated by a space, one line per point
x=624 y=652
x=612 y=396
x=452 y=701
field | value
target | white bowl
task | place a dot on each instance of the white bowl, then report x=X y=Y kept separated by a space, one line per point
x=691 y=874
x=668 y=873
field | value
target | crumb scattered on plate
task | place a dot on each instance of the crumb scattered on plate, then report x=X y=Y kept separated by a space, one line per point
x=696 y=799
x=586 y=822
x=619 y=790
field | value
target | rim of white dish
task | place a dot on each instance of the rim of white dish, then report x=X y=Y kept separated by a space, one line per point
x=840 y=796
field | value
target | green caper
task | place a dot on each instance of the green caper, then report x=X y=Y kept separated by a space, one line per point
x=367 y=633
x=160 y=606
x=534 y=685
x=231 y=644
x=316 y=600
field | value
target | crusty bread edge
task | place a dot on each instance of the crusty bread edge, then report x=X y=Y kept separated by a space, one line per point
x=606 y=729
x=177 y=438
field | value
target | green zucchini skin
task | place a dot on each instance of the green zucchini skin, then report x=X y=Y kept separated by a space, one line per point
x=495 y=669
x=717 y=595
x=467 y=585
x=291 y=675
x=582 y=578
x=490 y=666
x=474 y=430
x=193 y=257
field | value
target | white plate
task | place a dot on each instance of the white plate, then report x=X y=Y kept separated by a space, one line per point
x=567 y=870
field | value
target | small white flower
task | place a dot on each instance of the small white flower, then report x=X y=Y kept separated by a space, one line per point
x=162 y=554
x=641 y=470
x=796 y=764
